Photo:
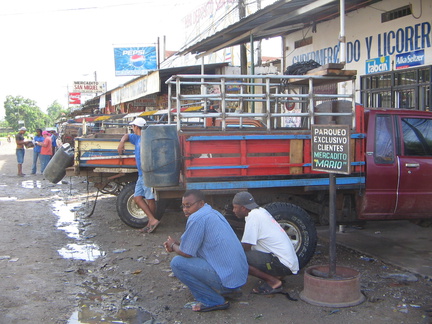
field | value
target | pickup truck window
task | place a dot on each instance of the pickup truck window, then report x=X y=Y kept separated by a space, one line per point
x=417 y=136
x=384 y=144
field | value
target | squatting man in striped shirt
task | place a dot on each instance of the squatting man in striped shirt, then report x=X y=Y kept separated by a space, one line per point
x=204 y=260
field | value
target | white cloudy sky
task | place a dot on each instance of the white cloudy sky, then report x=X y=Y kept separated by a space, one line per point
x=48 y=44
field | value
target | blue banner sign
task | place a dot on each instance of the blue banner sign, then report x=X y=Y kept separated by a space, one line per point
x=410 y=59
x=379 y=64
x=134 y=60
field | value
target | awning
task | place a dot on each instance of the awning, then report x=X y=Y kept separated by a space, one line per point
x=108 y=117
x=278 y=19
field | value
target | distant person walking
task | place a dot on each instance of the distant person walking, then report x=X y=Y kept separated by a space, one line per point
x=46 y=149
x=20 y=150
x=37 y=150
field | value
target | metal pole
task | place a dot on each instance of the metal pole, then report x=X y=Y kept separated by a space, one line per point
x=252 y=69
x=342 y=38
x=332 y=225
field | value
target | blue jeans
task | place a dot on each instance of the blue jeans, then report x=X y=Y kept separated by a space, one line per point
x=20 y=155
x=203 y=282
x=44 y=161
x=36 y=155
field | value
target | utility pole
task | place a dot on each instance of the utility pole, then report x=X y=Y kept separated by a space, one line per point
x=243 y=54
x=259 y=58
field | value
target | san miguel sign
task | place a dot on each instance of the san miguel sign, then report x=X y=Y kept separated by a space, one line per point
x=331 y=148
x=89 y=86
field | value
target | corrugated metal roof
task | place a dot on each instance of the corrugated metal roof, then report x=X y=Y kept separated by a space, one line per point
x=280 y=18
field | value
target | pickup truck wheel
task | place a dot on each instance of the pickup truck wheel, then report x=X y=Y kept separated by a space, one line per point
x=128 y=210
x=299 y=227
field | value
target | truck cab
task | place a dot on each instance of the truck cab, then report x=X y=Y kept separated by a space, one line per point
x=398 y=165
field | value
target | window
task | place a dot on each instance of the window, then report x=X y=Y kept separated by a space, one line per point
x=384 y=143
x=405 y=78
x=405 y=99
x=396 y=13
x=407 y=88
x=417 y=136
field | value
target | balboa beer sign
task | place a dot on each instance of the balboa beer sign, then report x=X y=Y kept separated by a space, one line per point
x=330 y=148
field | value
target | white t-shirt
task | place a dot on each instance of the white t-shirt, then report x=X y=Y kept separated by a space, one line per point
x=265 y=234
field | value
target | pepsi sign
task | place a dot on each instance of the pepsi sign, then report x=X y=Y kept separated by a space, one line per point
x=134 y=60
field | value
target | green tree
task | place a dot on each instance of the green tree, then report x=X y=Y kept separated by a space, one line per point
x=55 y=112
x=24 y=112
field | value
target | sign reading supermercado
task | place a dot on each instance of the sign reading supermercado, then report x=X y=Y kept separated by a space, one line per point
x=89 y=86
x=331 y=148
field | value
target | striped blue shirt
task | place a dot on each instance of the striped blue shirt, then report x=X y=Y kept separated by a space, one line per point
x=209 y=236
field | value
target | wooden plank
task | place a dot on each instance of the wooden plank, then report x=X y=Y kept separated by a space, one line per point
x=332 y=72
x=296 y=155
x=337 y=66
x=341 y=76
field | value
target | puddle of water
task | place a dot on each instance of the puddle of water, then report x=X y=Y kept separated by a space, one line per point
x=86 y=252
x=67 y=222
x=112 y=304
x=109 y=306
x=66 y=219
x=124 y=316
x=31 y=184
x=8 y=198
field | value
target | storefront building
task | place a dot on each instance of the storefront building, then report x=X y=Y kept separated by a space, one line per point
x=389 y=43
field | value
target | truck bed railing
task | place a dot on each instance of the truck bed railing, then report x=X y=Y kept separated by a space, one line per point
x=277 y=101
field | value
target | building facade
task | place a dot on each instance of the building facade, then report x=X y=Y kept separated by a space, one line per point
x=389 y=44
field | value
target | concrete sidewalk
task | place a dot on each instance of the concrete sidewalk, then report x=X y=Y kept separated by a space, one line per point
x=399 y=243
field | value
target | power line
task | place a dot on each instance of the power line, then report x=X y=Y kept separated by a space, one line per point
x=147 y=3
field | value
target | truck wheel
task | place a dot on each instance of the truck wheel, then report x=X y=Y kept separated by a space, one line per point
x=299 y=226
x=130 y=213
x=128 y=210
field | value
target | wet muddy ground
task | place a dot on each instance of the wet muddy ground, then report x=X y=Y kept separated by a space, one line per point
x=60 y=266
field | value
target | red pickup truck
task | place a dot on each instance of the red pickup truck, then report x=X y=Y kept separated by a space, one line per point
x=398 y=170
x=391 y=156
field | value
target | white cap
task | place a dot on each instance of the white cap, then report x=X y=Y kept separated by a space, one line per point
x=140 y=122
x=23 y=129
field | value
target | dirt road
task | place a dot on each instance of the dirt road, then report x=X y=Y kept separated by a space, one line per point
x=59 y=266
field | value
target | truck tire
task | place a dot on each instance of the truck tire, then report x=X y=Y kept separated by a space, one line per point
x=128 y=210
x=130 y=213
x=299 y=227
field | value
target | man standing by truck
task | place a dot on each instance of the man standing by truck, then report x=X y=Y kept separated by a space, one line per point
x=143 y=195
x=269 y=251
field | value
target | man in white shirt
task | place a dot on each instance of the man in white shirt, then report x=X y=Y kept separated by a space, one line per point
x=269 y=251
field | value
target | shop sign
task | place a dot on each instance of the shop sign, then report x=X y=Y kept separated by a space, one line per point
x=379 y=64
x=331 y=148
x=74 y=98
x=135 y=60
x=89 y=86
x=410 y=59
